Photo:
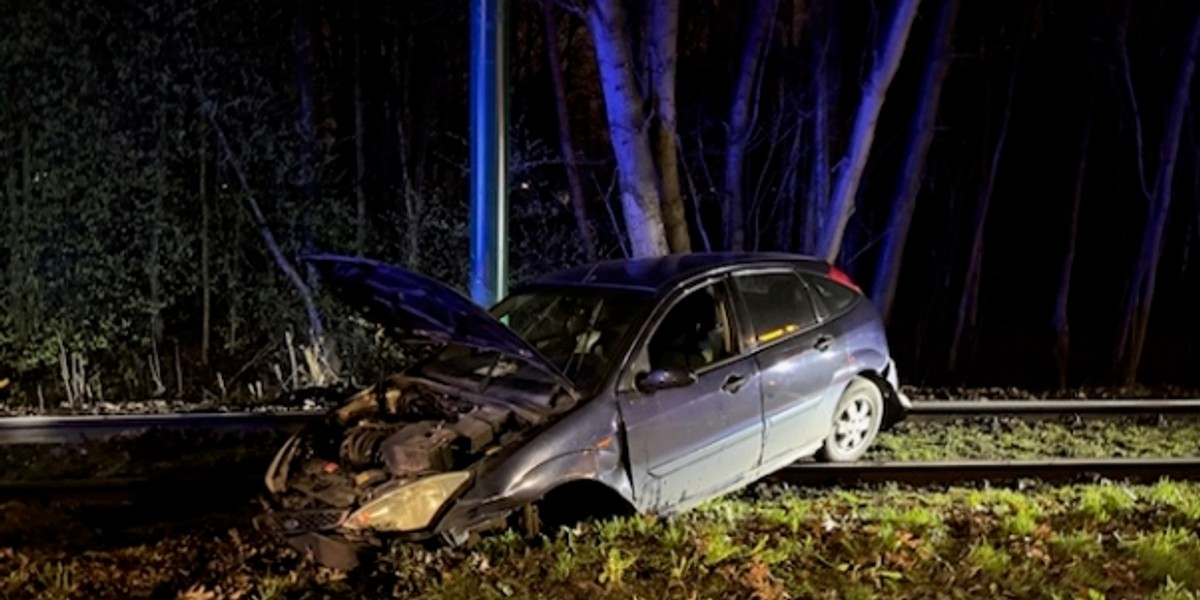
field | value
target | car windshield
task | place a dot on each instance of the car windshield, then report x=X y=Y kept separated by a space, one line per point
x=577 y=329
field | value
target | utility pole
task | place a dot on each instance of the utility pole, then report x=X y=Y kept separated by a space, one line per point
x=489 y=172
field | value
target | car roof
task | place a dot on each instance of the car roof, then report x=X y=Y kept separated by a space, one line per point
x=662 y=273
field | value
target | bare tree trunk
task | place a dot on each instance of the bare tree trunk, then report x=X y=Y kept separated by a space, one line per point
x=410 y=149
x=303 y=79
x=640 y=203
x=566 y=146
x=1060 y=319
x=315 y=323
x=15 y=273
x=360 y=156
x=306 y=121
x=790 y=189
x=912 y=171
x=846 y=188
x=968 y=306
x=205 y=252
x=154 y=259
x=741 y=122
x=825 y=77
x=28 y=308
x=229 y=258
x=413 y=205
x=705 y=244
x=662 y=52
x=1194 y=225
x=11 y=226
x=795 y=22
x=1141 y=294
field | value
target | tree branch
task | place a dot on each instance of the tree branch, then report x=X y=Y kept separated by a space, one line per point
x=264 y=229
x=1127 y=71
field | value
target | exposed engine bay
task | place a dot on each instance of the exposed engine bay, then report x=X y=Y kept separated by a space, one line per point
x=400 y=430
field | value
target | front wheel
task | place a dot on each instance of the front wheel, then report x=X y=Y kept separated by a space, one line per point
x=856 y=421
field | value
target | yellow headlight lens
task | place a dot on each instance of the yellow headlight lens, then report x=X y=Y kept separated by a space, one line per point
x=408 y=507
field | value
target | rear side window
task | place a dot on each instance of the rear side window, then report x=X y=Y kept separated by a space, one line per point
x=778 y=305
x=836 y=297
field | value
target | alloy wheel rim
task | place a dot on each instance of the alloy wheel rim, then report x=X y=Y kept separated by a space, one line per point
x=853 y=424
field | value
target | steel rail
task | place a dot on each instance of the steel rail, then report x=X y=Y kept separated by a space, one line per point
x=208 y=489
x=930 y=410
x=220 y=487
x=76 y=428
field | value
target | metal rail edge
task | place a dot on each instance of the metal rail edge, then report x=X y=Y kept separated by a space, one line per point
x=223 y=487
x=987 y=408
x=76 y=428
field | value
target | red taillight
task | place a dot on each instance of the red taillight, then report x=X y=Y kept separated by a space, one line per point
x=841 y=277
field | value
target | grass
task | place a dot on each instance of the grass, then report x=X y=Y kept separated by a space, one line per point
x=1012 y=438
x=1083 y=541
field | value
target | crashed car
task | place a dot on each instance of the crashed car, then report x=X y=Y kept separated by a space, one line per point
x=646 y=384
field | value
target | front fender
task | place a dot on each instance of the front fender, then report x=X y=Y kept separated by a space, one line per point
x=600 y=463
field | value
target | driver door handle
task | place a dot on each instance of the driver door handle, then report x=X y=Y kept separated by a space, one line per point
x=823 y=342
x=733 y=383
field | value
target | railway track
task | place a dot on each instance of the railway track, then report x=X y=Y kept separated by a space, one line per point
x=76 y=428
x=213 y=490
x=240 y=484
x=243 y=487
x=1035 y=410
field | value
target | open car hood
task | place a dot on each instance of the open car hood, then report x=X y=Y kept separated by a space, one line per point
x=420 y=307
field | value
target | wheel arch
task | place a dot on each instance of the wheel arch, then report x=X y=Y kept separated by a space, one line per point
x=893 y=409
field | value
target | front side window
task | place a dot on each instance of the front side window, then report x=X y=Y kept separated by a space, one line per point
x=695 y=332
x=778 y=305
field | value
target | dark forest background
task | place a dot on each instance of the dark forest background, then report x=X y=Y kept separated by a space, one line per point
x=163 y=163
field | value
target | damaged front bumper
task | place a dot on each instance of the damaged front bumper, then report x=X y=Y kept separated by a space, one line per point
x=321 y=532
x=316 y=533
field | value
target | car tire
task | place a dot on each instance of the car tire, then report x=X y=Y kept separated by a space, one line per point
x=856 y=421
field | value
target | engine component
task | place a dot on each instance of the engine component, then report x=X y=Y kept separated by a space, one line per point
x=360 y=447
x=479 y=427
x=418 y=448
x=370 y=477
x=475 y=433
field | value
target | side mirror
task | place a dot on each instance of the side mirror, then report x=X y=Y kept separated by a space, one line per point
x=661 y=379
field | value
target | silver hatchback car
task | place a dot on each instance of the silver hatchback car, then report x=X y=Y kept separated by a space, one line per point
x=647 y=385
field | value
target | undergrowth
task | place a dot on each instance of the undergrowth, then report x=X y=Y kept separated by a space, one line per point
x=1011 y=438
x=1084 y=541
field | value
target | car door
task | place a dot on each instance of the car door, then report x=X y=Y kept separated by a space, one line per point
x=796 y=358
x=689 y=442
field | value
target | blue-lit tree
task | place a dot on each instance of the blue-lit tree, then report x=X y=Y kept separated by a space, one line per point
x=845 y=189
x=1158 y=194
x=642 y=118
x=912 y=169
x=741 y=121
x=641 y=202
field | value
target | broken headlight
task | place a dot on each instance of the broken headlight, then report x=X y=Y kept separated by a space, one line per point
x=408 y=507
